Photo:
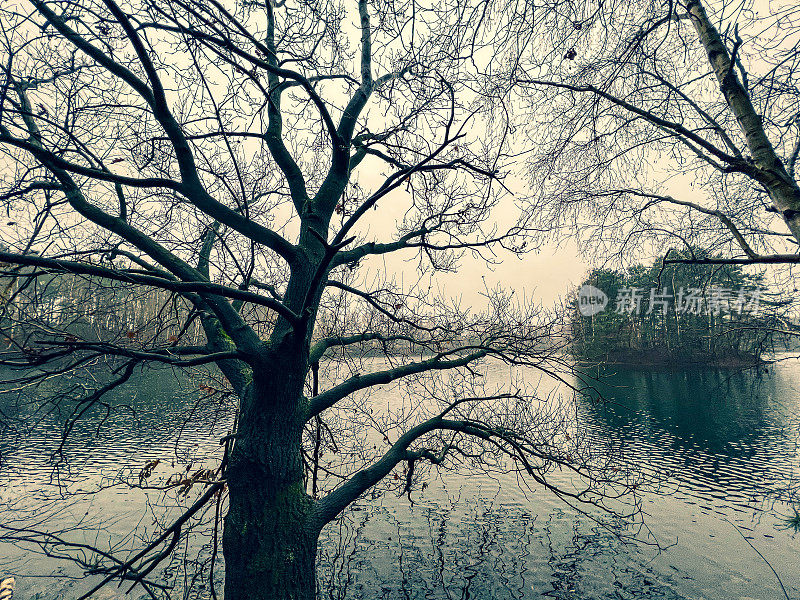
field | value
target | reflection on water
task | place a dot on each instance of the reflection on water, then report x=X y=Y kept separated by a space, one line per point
x=728 y=442
x=480 y=547
x=728 y=438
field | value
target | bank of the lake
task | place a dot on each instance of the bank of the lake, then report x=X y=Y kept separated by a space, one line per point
x=680 y=358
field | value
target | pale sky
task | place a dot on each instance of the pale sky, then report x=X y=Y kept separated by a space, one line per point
x=543 y=276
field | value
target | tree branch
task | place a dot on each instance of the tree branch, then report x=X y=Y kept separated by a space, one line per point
x=318 y=349
x=439 y=362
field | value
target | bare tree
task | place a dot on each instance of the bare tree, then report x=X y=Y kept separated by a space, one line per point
x=212 y=172
x=676 y=126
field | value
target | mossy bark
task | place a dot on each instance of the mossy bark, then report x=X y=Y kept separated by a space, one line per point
x=270 y=537
x=271 y=529
x=269 y=549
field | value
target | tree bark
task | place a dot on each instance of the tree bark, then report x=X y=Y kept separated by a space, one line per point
x=783 y=190
x=269 y=552
x=271 y=528
x=270 y=536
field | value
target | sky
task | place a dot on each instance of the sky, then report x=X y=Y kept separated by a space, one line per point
x=544 y=276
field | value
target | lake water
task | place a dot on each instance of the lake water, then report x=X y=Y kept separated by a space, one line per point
x=726 y=443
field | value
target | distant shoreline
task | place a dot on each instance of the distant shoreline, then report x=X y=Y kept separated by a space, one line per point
x=660 y=359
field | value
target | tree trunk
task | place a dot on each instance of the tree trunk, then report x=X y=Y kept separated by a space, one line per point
x=271 y=531
x=270 y=538
x=269 y=551
x=783 y=190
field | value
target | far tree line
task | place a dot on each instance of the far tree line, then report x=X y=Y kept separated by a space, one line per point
x=678 y=313
x=672 y=312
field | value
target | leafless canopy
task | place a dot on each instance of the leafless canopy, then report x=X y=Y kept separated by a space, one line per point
x=677 y=127
x=218 y=183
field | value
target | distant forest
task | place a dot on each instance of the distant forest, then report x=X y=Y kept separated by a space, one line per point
x=676 y=313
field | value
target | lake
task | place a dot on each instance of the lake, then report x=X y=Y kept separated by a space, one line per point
x=725 y=444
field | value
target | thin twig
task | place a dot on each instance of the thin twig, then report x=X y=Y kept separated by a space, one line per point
x=778 y=577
